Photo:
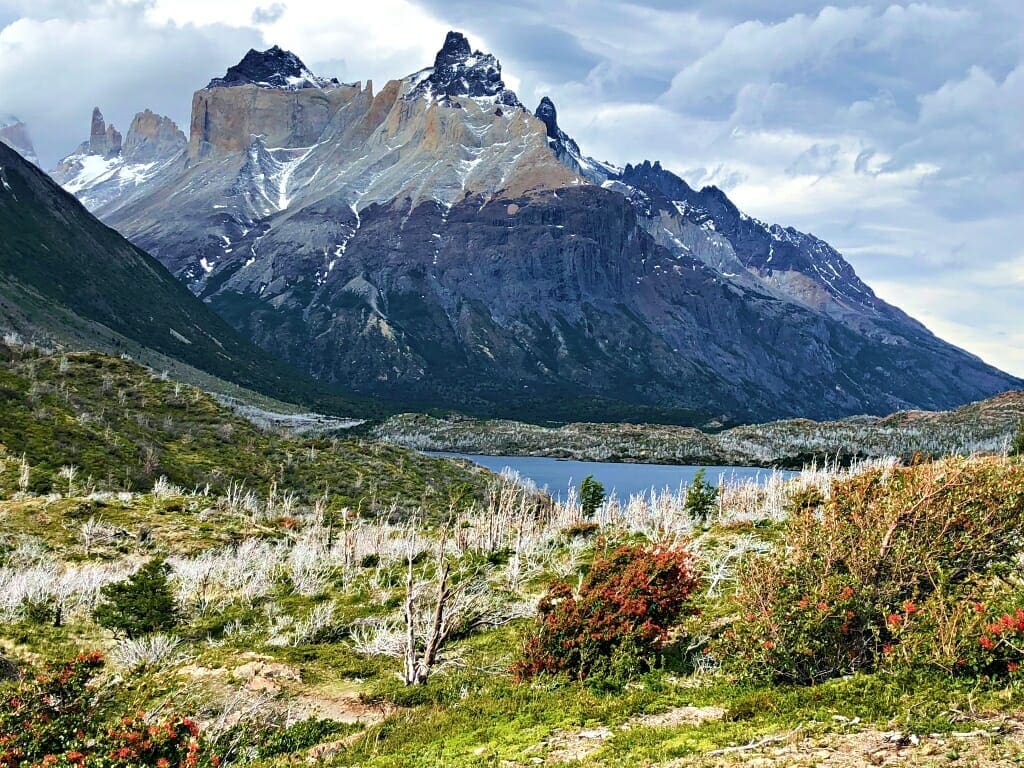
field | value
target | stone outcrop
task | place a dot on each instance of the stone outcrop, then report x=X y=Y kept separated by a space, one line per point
x=269 y=94
x=152 y=137
x=104 y=140
x=226 y=119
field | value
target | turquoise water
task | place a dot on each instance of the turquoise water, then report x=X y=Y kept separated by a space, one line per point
x=625 y=480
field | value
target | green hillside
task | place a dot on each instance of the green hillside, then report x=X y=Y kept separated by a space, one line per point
x=66 y=276
x=122 y=427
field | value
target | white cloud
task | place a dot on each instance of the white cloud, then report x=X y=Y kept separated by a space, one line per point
x=380 y=40
x=801 y=47
x=53 y=71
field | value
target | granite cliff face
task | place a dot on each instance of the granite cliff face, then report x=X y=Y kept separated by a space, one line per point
x=436 y=242
x=151 y=137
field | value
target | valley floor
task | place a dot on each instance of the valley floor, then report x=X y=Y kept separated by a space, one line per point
x=279 y=627
x=872 y=615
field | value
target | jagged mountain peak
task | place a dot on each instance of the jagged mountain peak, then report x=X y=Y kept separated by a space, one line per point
x=272 y=68
x=15 y=134
x=427 y=242
x=152 y=137
x=560 y=140
x=104 y=140
x=456 y=48
x=548 y=115
x=104 y=168
x=460 y=71
x=567 y=150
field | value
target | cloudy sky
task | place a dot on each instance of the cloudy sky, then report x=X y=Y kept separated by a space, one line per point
x=894 y=131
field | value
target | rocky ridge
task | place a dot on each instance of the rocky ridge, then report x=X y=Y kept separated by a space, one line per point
x=106 y=168
x=67 y=278
x=434 y=241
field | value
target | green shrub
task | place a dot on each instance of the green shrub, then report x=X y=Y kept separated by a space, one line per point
x=301 y=735
x=616 y=625
x=41 y=610
x=881 y=574
x=701 y=498
x=1017 y=444
x=581 y=530
x=141 y=604
x=591 y=496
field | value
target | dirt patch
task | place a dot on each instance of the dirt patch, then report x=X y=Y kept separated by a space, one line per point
x=345 y=708
x=262 y=675
x=322 y=753
x=987 y=748
x=678 y=716
x=567 y=746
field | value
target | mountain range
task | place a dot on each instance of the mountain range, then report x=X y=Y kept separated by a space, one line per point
x=437 y=243
x=66 y=277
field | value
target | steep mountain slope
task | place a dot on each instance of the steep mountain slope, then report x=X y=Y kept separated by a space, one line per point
x=437 y=242
x=65 y=274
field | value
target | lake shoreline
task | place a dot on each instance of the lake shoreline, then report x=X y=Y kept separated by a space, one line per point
x=985 y=427
x=563 y=476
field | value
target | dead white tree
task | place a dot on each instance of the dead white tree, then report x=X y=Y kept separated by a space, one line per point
x=421 y=652
x=437 y=607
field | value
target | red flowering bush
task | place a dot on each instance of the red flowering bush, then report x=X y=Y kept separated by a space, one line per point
x=625 y=609
x=60 y=719
x=882 y=572
x=1000 y=642
x=802 y=634
x=171 y=742
x=44 y=715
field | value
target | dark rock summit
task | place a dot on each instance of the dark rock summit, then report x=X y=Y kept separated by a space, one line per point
x=460 y=71
x=272 y=68
x=560 y=140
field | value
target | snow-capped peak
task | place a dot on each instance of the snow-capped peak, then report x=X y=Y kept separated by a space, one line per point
x=460 y=71
x=272 y=68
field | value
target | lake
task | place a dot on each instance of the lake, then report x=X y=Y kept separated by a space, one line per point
x=625 y=480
